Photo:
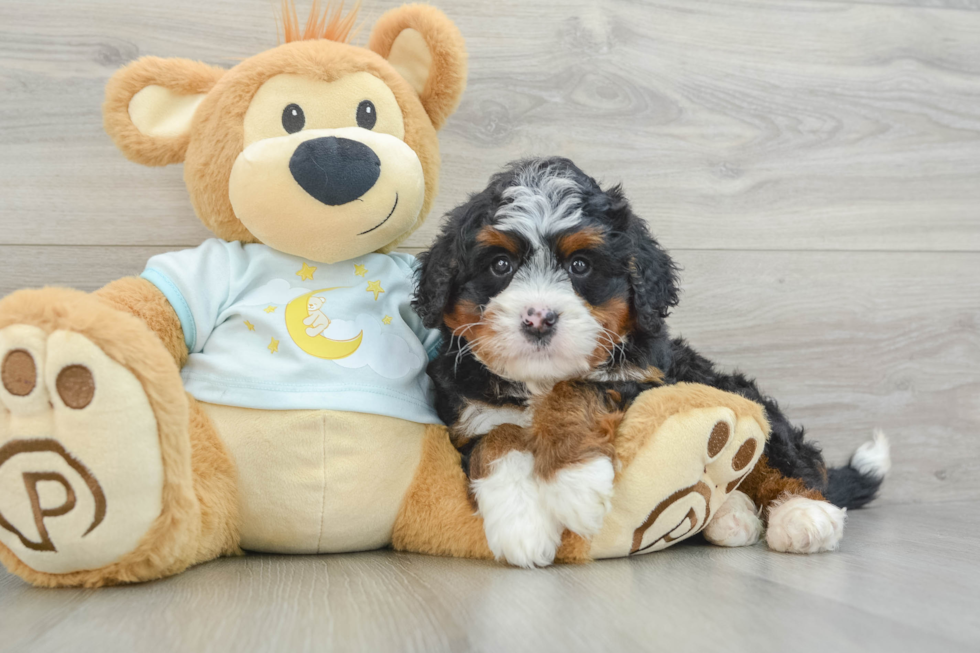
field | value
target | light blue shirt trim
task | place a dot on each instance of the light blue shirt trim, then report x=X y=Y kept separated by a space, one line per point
x=176 y=299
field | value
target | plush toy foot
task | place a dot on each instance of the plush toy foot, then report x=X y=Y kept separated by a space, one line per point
x=736 y=523
x=579 y=497
x=80 y=469
x=801 y=525
x=83 y=486
x=518 y=526
x=685 y=449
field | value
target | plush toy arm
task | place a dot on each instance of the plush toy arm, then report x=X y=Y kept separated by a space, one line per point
x=141 y=298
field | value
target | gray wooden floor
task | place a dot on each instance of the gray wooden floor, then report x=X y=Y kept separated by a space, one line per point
x=902 y=581
x=813 y=165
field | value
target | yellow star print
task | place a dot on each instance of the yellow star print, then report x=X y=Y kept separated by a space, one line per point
x=273 y=346
x=270 y=309
x=375 y=287
x=360 y=270
x=251 y=327
x=306 y=272
x=387 y=319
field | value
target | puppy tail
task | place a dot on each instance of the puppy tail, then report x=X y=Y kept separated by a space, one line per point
x=858 y=482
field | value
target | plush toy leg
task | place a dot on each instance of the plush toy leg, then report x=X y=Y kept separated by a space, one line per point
x=437 y=516
x=109 y=472
x=684 y=449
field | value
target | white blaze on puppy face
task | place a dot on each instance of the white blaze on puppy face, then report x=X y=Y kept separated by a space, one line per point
x=541 y=205
x=565 y=354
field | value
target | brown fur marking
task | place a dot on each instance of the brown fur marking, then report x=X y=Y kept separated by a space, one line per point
x=765 y=484
x=490 y=237
x=495 y=445
x=584 y=239
x=614 y=317
x=572 y=424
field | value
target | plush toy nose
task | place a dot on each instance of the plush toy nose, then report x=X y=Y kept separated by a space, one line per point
x=335 y=170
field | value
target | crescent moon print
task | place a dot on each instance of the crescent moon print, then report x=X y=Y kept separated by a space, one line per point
x=307 y=319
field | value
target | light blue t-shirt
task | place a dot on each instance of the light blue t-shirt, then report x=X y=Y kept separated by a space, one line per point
x=273 y=331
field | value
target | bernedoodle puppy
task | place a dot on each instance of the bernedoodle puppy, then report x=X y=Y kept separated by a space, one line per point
x=552 y=297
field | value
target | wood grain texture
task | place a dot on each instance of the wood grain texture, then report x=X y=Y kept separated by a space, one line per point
x=902 y=581
x=746 y=124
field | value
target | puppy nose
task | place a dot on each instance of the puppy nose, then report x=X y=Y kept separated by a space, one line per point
x=539 y=322
x=335 y=170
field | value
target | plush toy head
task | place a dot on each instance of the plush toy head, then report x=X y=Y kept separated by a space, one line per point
x=316 y=147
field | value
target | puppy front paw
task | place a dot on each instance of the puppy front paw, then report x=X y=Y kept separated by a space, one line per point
x=518 y=527
x=801 y=525
x=580 y=496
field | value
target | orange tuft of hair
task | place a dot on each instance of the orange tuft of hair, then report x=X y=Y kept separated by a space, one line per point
x=331 y=23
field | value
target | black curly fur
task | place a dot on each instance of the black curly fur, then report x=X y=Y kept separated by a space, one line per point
x=653 y=290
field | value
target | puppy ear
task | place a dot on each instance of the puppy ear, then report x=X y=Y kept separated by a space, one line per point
x=426 y=48
x=653 y=275
x=149 y=106
x=436 y=276
x=440 y=267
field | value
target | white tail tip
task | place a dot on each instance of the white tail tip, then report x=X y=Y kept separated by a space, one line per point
x=873 y=458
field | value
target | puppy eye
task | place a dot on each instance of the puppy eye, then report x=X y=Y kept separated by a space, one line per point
x=367 y=115
x=579 y=267
x=293 y=119
x=501 y=266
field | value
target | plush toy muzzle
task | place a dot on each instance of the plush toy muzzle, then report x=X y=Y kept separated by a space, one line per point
x=305 y=192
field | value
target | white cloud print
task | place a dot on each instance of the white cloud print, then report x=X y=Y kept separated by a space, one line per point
x=388 y=355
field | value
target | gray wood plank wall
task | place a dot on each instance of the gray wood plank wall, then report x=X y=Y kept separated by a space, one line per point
x=813 y=165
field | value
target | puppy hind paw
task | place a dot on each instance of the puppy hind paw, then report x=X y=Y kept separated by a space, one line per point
x=801 y=525
x=736 y=523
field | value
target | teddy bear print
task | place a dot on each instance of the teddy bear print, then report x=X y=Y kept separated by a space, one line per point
x=318 y=322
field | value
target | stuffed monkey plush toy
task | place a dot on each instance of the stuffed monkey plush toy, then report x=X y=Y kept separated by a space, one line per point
x=266 y=391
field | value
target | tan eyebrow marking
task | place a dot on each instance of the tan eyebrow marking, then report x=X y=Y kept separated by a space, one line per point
x=588 y=237
x=491 y=237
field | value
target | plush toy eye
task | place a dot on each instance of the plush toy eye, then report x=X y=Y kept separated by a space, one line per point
x=579 y=267
x=367 y=115
x=501 y=266
x=293 y=119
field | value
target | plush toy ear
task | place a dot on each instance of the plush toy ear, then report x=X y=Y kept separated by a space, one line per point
x=149 y=106
x=426 y=48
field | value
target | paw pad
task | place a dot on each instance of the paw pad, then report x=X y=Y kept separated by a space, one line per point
x=76 y=386
x=19 y=373
x=718 y=439
x=744 y=455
